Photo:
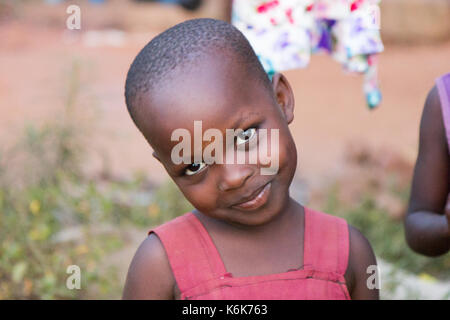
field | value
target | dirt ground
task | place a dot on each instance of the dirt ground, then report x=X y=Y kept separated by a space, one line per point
x=37 y=52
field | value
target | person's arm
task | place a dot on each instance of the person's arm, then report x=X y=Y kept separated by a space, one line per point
x=427 y=223
x=362 y=264
x=149 y=276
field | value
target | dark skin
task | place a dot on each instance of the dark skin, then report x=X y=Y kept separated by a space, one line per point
x=274 y=232
x=427 y=222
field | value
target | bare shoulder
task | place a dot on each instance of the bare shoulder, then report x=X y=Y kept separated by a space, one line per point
x=359 y=245
x=361 y=259
x=149 y=275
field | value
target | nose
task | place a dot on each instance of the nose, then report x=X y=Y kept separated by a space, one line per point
x=233 y=176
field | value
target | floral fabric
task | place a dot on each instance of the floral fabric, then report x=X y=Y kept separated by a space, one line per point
x=284 y=34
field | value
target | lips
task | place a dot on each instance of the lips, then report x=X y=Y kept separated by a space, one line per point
x=256 y=200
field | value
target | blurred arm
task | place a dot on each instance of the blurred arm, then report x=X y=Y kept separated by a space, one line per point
x=426 y=224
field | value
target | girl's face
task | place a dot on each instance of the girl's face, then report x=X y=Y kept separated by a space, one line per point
x=222 y=98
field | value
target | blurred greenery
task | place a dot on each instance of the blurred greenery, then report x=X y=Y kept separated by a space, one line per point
x=386 y=234
x=52 y=215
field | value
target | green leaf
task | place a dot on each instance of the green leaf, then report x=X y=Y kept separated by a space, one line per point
x=19 y=271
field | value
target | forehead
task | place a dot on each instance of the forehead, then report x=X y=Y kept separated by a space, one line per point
x=215 y=90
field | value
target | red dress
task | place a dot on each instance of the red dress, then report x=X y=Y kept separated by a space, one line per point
x=201 y=275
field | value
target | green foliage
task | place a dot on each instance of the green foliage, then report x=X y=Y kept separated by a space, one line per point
x=53 y=216
x=35 y=215
x=168 y=203
x=387 y=235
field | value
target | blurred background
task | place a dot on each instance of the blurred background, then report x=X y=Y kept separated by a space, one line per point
x=78 y=183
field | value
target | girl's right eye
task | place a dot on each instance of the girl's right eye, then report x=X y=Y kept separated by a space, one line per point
x=245 y=136
x=194 y=168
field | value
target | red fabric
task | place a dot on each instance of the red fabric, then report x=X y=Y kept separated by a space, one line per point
x=201 y=275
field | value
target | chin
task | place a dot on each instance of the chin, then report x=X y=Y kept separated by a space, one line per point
x=274 y=206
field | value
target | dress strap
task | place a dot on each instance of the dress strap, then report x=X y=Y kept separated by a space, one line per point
x=443 y=86
x=326 y=245
x=190 y=250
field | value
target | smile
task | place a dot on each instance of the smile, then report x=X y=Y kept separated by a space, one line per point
x=256 y=201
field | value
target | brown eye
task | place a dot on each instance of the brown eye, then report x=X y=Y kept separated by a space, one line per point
x=245 y=136
x=195 y=168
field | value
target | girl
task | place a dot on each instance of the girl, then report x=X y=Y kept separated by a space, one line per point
x=247 y=238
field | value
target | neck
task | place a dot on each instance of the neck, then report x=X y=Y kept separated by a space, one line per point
x=278 y=224
x=282 y=220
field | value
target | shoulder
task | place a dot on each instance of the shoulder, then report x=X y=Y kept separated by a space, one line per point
x=359 y=246
x=149 y=275
x=361 y=260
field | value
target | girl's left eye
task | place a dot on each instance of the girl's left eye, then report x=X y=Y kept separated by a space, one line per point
x=245 y=136
x=194 y=168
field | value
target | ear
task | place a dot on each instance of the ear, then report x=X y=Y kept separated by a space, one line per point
x=284 y=96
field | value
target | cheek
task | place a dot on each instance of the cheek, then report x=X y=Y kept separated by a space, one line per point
x=202 y=196
x=276 y=150
x=288 y=152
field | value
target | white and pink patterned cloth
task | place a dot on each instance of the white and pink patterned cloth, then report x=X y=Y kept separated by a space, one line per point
x=284 y=34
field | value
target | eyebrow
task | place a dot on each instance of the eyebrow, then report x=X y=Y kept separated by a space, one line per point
x=238 y=122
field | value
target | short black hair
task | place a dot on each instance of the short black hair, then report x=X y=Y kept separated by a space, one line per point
x=184 y=43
